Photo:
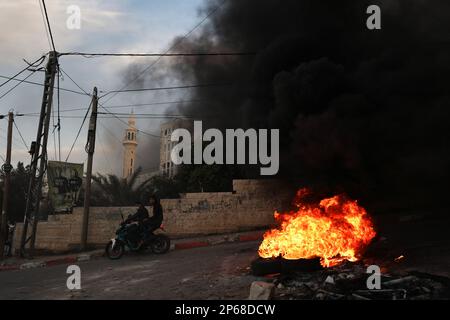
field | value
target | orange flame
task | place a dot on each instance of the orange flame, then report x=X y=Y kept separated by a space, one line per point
x=335 y=230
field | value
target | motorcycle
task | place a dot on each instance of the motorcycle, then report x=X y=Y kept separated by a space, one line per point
x=126 y=239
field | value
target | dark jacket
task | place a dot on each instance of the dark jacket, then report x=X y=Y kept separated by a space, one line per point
x=140 y=215
x=157 y=213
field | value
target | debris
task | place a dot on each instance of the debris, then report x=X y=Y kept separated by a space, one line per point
x=425 y=289
x=329 y=280
x=260 y=290
x=349 y=281
x=358 y=297
x=83 y=257
x=399 y=258
x=399 y=281
x=332 y=295
x=383 y=294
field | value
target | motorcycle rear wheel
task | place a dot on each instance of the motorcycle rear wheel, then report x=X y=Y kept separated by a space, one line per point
x=161 y=244
x=116 y=252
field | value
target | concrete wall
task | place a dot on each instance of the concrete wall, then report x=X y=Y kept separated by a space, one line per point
x=250 y=206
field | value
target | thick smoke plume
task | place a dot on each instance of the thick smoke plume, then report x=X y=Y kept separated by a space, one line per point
x=360 y=111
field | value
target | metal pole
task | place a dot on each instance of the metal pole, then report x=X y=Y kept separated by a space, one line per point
x=90 y=146
x=7 y=169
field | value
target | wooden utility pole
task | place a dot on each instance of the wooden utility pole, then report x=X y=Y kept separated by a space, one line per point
x=7 y=170
x=90 y=146
x=39 y=157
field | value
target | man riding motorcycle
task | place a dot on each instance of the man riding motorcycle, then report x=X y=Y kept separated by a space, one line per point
x=136 y=233
x=145 y=224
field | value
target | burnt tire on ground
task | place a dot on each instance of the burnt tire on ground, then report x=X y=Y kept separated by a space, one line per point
x=261 y=267
x=300 y=265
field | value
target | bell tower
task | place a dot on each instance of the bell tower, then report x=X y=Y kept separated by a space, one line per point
x=129 y=145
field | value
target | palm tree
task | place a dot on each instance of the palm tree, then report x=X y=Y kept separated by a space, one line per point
x=112 y=190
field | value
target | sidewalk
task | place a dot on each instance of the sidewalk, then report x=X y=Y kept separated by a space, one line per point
x=16 y=263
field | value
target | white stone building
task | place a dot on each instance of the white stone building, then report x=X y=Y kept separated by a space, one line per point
x=166 y=166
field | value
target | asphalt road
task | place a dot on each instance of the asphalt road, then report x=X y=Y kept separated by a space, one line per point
x=216 y=272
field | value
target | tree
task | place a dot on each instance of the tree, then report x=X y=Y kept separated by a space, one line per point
x=19 y=186
x=165 y=187
x=206 y=178
x=111 y=190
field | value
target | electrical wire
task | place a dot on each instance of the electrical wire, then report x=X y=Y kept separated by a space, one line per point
x=59 y=116
x=212 y=12
x=101 y=105
x=79 y=131
x=107 y=115
x=48 y=25
x=45 y=24
x=41 y=59
x=18 y=84
x=79 y=87
x=63 y=110
x=21 y=136
x=200 y=54
x=41 y=85
x=168 y=88
x=138 y=130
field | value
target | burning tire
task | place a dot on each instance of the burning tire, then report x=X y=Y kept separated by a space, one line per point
x=262 y=266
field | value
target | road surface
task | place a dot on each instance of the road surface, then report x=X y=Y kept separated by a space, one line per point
x=216 y=272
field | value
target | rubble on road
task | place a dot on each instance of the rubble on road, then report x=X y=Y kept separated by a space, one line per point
x=348 y=281
x=260 y=290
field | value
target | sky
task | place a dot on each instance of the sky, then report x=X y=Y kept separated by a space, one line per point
x=116 y=26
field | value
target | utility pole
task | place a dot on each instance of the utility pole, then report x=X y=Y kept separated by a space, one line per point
x=38 y=153
x=7 y=169
x=90 y=146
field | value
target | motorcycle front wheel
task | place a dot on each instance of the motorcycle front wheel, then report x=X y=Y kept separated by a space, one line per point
x=161 y=244
x=115 y=252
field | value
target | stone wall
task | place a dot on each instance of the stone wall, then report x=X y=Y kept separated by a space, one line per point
x=250 y=206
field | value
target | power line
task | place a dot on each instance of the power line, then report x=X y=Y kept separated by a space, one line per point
x=139 y=130
x=213 y=11
x=114 y=116
x=131 y=105
x=59 y=116
x=18 y=84
x=199 y=54
x=79 y=87
x=48 y=24
x=169 y=88
x=101 y=105
x=119 y=141
x=41 y=59
x=41 y=85
x=20 y=134
x=45 y=24
x=79 y=131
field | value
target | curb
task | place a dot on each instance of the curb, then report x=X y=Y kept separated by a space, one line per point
x=52 y=262
x=174 y=246
x=255 y=236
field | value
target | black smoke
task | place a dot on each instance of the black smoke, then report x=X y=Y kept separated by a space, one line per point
x=360 y=111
